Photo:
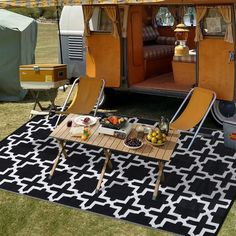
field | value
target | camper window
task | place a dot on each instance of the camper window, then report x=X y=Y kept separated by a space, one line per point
x=213 y=23
x=100 y=22
x=164 y=17
x=190 y=16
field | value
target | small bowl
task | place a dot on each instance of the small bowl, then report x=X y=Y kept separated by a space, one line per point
x=133 y=147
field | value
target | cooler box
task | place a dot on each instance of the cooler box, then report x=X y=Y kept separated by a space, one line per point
x=43 y=76
x=229 y=127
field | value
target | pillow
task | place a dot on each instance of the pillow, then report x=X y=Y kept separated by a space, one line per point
x=149 y=34
x=165 y=40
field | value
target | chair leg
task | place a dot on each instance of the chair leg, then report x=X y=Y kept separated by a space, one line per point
x=58 y=119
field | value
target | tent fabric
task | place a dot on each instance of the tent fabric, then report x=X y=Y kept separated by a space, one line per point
x=18 y=36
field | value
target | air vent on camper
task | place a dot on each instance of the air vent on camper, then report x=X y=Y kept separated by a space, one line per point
x=75 y=47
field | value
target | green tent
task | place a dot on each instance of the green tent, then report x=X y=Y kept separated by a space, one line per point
x=18 y=36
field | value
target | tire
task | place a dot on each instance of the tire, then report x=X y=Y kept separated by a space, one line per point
x=223 y=110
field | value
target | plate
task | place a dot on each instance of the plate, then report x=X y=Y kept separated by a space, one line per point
x=106 y=123
x=131 y=147
x=80 y=120
x=155 y=144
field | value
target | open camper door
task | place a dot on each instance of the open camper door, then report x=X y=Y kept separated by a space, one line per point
x=103 y=44
x=216 y=52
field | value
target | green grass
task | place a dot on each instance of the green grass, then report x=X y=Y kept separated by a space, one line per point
x=22 y=215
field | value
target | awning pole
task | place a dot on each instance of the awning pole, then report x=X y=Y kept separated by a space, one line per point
x=59 y=33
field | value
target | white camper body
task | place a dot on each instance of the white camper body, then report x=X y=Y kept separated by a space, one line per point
x=72 y=41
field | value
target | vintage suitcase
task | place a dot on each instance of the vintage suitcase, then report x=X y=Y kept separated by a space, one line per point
x=42 y=76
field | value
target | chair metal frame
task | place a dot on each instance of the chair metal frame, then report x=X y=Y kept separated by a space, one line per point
x=202 y=120
x=69 y=94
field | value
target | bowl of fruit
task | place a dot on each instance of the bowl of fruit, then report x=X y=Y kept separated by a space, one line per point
x=133 y=143
x=156 y=137
x=113 y=122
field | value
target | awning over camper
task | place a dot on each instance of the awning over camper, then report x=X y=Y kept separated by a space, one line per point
x=49 y=3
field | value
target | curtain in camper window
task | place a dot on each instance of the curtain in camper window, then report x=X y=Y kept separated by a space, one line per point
x=88 y=12
x=155 y=10
x=174 y=12
x=226 y=13
x=112 y=14
x=200 y=13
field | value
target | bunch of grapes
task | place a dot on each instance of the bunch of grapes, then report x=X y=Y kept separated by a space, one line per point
x=133 y=142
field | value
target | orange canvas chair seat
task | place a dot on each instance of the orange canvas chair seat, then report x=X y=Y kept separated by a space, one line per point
x=195 y=112
x=87 y=96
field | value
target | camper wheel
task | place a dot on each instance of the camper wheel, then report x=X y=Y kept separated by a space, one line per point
x=222 y=110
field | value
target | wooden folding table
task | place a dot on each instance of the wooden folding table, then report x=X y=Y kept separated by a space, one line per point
x=110 y=143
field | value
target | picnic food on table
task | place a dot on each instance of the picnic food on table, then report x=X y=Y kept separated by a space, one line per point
x=85 y=134
x=133 y=142
x=86 y=120
x=114 y=120
x=156 y=137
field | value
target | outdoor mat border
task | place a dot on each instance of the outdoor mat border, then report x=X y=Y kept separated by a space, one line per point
x=39 y=121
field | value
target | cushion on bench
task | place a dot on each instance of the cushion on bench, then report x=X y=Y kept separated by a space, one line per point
x=165 y=40
x=158 y=51
x=149 y=33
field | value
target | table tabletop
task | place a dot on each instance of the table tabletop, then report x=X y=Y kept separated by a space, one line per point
x=164 y=152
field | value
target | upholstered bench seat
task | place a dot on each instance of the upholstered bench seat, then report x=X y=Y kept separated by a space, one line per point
x=158 y=51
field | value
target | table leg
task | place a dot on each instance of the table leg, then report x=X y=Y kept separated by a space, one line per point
x=62 y=145
x=107 y=153
x=159 y=179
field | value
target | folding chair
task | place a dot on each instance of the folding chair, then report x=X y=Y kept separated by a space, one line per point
x=200 y=103
x=87 y=97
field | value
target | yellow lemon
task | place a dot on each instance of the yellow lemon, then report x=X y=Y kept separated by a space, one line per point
x=154 y=140
x=149 y=137
x=159 y=136
x=159 y=142
x=157 y=130
x=154 y=134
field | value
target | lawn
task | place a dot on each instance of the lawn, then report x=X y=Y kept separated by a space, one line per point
x=21 y=215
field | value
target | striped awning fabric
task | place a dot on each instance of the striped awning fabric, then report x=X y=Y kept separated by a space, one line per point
x=49 y=3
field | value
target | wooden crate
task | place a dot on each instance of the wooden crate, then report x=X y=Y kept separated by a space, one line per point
x=184 y=72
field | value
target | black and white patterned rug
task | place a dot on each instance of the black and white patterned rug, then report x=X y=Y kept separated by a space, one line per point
x=195 y=198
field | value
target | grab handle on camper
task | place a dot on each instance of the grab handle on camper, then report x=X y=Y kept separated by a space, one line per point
x=231 y=56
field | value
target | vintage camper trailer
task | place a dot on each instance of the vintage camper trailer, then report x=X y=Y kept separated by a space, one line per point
x=132 y=45
x=72 y=50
